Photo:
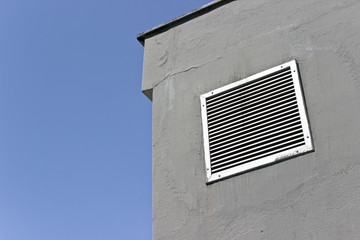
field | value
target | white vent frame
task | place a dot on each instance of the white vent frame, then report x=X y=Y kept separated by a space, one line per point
x=306 y=147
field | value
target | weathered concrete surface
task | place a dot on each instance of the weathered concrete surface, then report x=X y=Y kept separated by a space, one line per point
x=314 y=196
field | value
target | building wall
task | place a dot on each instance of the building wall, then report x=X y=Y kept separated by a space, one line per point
x=314 y=196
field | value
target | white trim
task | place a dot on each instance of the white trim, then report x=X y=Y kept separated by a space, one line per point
x=308 y=146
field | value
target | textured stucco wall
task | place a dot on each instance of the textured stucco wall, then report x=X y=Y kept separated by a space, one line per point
x=314 y=196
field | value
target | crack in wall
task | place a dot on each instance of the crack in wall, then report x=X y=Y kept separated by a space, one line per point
x=169 y=75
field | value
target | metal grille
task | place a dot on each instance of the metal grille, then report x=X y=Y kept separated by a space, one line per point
x=255 y=121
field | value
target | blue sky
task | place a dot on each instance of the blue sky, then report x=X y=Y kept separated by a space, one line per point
x=75 y=129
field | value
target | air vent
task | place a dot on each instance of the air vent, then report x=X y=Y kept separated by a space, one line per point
x=255 y=121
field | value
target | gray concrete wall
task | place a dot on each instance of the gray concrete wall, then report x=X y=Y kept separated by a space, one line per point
x=314 y=196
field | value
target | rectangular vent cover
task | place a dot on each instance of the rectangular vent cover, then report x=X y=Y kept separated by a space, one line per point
x=255 y=121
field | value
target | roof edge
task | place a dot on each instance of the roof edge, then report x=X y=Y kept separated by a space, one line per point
x=181 y=19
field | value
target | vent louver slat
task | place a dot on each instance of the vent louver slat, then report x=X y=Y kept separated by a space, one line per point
x=248 y=95
x=256 y=155
x=246 y=139
x=253 y=100
x=259 y=121
x=252 y=146
x=257 y=116
x=263 y=80
x=254 y=121
x=254 y=131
